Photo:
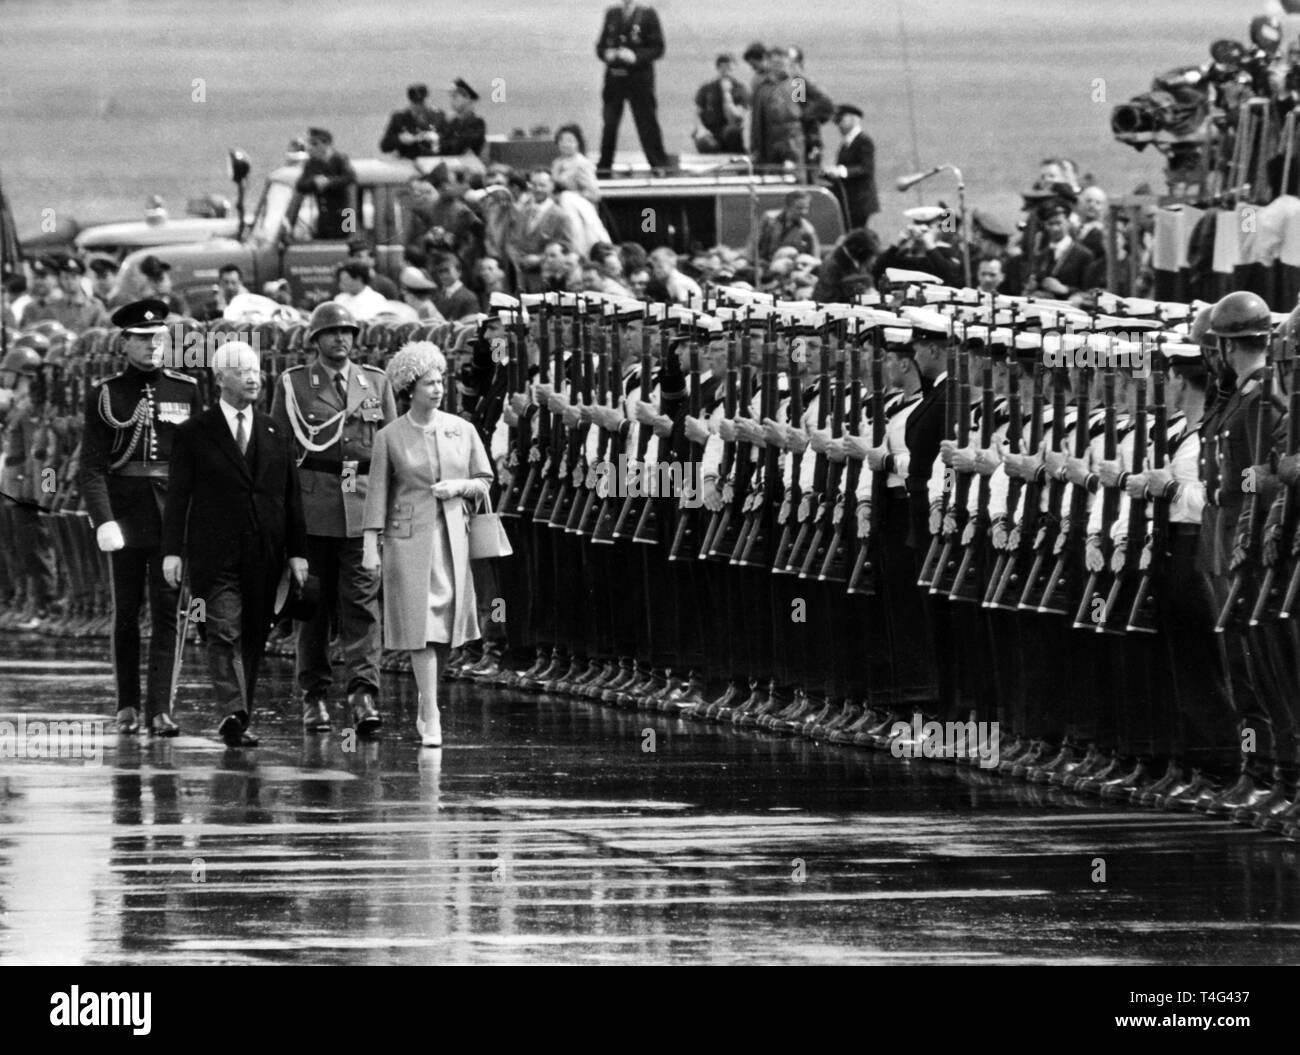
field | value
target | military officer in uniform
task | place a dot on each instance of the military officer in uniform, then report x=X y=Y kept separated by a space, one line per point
x=464 y=132
x=333 y=407
x=131 y=419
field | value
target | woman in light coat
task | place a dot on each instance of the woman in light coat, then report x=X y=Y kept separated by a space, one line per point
x=428 y=470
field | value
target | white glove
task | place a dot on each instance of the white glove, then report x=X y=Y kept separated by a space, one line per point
x=370 y=552
x=449 y=489
x=108 y=536
x=171 y=570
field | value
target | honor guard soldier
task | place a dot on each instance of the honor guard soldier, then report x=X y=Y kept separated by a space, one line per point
x=131 y=419
x=334 y=407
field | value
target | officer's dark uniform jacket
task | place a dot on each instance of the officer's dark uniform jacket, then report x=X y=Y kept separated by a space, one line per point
x=131 y=419
x=308 y=406
x=1227 y=451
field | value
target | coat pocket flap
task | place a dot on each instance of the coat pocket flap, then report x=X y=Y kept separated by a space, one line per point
x=401 y=511
x=398 y=528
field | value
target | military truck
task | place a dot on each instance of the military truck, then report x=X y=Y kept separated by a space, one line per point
x=687 y=211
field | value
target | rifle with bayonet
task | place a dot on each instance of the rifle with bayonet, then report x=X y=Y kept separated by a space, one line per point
x=615 y=450
x=1096 y=590
x=540 y=443
x=686 y=537
x=792 y=516
x=1142 y=615
x=957 y=502
x=830 y=500
x=730 y=396
x=754 y=540
x=1047 y=523
x=930 y=565
x=604 y=370
x=730 y=520
x=1126 y=555
x=519 y=444
x=966 y=583
x=1015 y=446
x=568 y=506
x=862 y=579
x=840 y=558
x=552 y=343
x=630 y=513
x=1066 y=575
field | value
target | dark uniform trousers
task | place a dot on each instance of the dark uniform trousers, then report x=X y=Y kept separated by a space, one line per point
x=337 y=561
x=130 y=567
x=912 y=643
x=637 y=89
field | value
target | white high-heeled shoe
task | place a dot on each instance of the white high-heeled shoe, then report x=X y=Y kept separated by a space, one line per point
x=430 y=732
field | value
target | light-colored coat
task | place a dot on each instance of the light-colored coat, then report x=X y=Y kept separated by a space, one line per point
x=400 y=504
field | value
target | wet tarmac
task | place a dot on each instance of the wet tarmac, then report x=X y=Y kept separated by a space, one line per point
x=546 y=831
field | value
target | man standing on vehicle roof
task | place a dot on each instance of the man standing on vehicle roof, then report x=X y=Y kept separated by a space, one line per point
x=630 y=43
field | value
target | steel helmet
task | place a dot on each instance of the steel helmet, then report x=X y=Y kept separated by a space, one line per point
x=22 y=359
x=37 y=342
x=1241 y=314
x=331 y=316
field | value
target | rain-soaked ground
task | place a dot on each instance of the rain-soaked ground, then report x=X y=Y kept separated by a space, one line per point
x=545 y=832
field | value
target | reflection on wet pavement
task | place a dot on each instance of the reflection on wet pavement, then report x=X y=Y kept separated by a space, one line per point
x=543 y=832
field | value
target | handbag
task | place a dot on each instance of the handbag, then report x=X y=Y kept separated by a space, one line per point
x=487 y=535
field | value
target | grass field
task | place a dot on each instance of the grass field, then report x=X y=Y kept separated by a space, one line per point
x=98 y=99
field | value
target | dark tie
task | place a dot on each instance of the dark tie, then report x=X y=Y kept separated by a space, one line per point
x=241 y=433
x=341 y=387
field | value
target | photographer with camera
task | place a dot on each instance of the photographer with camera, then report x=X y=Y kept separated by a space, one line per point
x=919 y=247
x=414 y=132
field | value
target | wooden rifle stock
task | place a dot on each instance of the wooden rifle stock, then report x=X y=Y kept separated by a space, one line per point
x=1015 y=427
x=839 y=550
x=935 y=555
x=1090 y=615
x=862 y=579
x=966 y=582
x=1069 y=544
x=1046 y=524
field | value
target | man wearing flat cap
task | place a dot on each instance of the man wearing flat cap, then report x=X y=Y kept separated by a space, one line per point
x=414 y=131
x=76 y=311
x=158 y=285
x=854 y=173
x=130 y=422
x=328 y=174
x=919 y=247
x=464 y=132
x=1062 y=267
x=991 y=244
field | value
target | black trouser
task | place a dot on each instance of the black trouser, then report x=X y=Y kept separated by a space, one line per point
x=131 y=568
x=345 y=587
x=637 y=88
x=238 y=619
x=911 y=635
x=35 y=554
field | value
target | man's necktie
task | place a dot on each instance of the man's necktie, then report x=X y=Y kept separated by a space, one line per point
x=241 y=433
x=341 y=387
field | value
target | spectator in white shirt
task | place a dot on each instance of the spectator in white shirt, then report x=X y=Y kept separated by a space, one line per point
x=355 y=292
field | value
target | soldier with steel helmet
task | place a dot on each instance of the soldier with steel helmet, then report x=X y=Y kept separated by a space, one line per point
x=131 y=419
x=22 y=409
x=1241 y=325
x=332 y=408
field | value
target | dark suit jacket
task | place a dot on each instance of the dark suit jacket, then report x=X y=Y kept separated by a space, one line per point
x=224 y=513
x=859 y=158
x=1074 y=269
x=405 y=121
x=641 y=33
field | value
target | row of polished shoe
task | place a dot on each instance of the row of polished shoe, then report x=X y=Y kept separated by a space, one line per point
x=1269 y=804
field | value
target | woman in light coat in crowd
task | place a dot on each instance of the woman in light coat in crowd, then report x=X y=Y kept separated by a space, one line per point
x=428 y=470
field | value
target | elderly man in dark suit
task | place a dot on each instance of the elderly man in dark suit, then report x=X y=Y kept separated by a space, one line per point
x=234 y=513
x=854 y=172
